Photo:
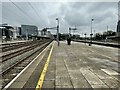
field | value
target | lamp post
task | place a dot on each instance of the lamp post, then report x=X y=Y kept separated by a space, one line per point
x=27 y=34
x=69 y=32
x=85 y=37
x=91 y=32
x=94 y=35
x=57 y=31
x=107 y=32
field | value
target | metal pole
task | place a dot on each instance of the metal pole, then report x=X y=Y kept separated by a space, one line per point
x=69 y=32
x=85 y=37
x=26 y=34
x=107 y=32
x=57 y=30
x=91 y=30
x=82 y=34
x=94 y=35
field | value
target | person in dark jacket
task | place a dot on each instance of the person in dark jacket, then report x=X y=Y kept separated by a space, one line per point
x=69 y=41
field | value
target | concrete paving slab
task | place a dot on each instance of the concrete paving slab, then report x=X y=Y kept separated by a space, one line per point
x=24 y=77
x=18 y=85
x=80 y=83
x=117 y=77
x=63 y=81
x=48 y=84
x=72 y=67
x=50 y=75
x=110 y=72
x=60 y=68
x=112 y=83
x=76 y=74
x=99 y=87
x=91 y=77
x=64 y=87
x=62 y=73
x=101 y=74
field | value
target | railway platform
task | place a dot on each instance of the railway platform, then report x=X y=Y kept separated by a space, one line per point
x=75 y=66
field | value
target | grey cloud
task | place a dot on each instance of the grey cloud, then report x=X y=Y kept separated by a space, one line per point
x=101 y=6
x=76 y=18
x=69 y=14
x=81 y=14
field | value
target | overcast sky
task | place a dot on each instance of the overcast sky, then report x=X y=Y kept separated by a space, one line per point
x=70 y=14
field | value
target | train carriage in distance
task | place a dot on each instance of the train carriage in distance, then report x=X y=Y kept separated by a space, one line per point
x=6 y=32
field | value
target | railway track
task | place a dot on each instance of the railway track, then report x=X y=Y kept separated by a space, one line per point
x=12 y=46
x=9 y=58
x=13 y=54
x=13 y=70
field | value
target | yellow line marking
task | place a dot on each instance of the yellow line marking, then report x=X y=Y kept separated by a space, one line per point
x=41 y=79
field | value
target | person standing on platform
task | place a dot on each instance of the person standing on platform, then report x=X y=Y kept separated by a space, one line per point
x=69 y=41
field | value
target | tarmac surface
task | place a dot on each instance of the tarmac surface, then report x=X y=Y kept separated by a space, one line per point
x=73 y=66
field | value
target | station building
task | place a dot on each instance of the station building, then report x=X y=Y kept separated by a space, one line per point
x=28 y=31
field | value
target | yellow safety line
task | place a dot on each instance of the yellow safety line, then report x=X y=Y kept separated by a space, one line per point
x=41 y=79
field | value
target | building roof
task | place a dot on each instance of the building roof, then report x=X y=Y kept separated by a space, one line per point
x=8 y=27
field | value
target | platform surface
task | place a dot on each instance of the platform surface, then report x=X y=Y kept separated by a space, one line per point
x=74 y=66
